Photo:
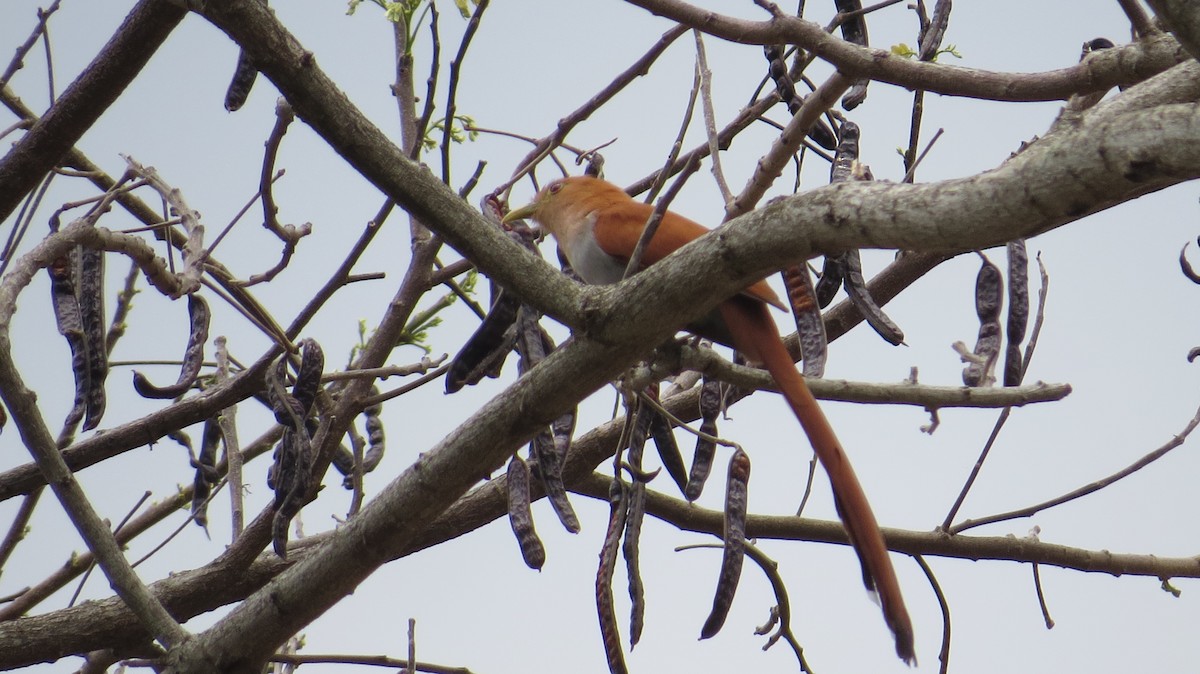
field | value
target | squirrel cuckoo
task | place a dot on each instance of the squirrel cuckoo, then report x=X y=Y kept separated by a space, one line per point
x=597 y=225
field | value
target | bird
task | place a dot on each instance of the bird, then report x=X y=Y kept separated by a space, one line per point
x=597 y=226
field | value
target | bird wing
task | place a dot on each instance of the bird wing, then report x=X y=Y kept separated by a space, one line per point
x=619 y=226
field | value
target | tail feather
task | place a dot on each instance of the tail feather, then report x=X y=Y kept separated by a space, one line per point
x=755 y=335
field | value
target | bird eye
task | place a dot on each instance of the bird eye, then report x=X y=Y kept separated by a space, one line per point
x=555 y=186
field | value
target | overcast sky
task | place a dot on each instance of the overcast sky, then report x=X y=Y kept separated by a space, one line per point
x=1119 y=323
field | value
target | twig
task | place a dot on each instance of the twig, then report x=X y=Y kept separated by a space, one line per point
x=18 y=59
x=1041 y=595
x=710 y=122
x=944 y=653
x=1175 y=441
x=452 y=85
x=571 y=120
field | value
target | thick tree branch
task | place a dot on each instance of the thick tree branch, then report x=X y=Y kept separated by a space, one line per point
x=1122 y=67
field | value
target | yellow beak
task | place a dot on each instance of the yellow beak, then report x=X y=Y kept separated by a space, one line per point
x=526 y=211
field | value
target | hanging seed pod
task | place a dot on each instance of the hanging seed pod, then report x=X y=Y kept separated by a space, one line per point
x=193 y=356
x=831 y=280
x=664 y=440
x=736 y=500
x=820 y=132
x=989 y=294
x=70 y=326
x=308 y=377
x=605 y=610
x=634 y=516
x=206 y=471
x=291 y=476
x=90 y=291
x=810 y=328
x=931 y=37
x=854 y=30
x=856 y=289
x=520 y=517
x=1018 y=311
x=706 y=450
x=244 y=75
x=549 y=461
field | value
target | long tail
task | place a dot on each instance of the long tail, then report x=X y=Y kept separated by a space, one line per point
x=756 y=336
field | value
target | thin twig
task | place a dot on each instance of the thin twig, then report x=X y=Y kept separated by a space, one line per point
x=710 y=121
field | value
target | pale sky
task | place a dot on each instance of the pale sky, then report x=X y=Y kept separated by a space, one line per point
x=1119 y=323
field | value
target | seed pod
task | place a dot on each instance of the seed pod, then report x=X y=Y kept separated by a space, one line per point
x=856 y=289
x=291 y=475
x=487 y=347
x=778 y=70
x=376 y=440
x=90 y=291
x=842 y=168
x=989 y=295
x=193 y=356
x=634 y=516
x=544 y=451
x=664 y=440
x=308 y=377
x=854 y=30
x=736 y=499
x=1018 y=311
x=609 y=633
x=243 y=80
x=70 y=326
x=520 y=517
x=831 y=280
x=931 y=36
x=810 y=328
x=706 y=450
x=206 y=471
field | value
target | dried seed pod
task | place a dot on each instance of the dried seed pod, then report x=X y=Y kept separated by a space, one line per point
x=244 y=75
x=490 y=343
x=308 y=377
x=530 y=346
x=193 y=356
x=664 y=440
x=545 y=451
x=810 y=328
x=291 y=475
x=989 y=295
x=634 y=516
x=736 y=495
x=831 y=280
x=609 y=633
x=376 y=440
x=206 y=471
x=1186 y=266
x=70 y=326
x=706 y=450
x=856 y=289
x=778 y=70
x=90 y=292
x=842 y=168
x=1018 y=311
x=931 y=36
x=520 y=517
x=854 y=30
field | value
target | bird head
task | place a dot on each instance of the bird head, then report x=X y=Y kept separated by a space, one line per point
x=567 y=202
